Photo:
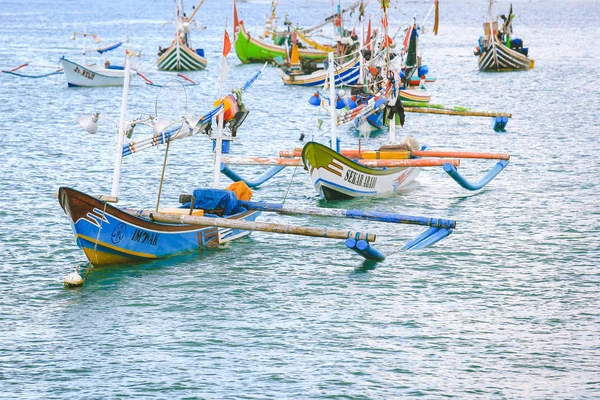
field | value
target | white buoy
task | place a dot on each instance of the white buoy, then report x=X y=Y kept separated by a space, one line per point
x=73 y=279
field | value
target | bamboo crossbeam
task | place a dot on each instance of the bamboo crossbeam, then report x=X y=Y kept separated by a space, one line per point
x=286 y=162
x=294 y=162
x=353 y=153
x=456 y=112
x=258 y=226
x=461 y=154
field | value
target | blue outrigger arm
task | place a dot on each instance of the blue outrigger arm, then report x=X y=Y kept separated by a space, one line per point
x=427 y=238
x=363 y=248
x=438 y=228
x=252 y=183
x=462 y=181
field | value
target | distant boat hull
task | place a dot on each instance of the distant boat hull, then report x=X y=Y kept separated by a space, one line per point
x=110 y=236
x=498 y=58
x=179 y=57
x=346 y=74
x=415 y=94
x=87 y=76
x=337 y=177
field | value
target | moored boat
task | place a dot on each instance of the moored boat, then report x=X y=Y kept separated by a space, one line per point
x=337 y=177
x=497 y=50
x=109 y=235
x=346 y=74
x=79 y=75
x=181 y=55
x=250 y=49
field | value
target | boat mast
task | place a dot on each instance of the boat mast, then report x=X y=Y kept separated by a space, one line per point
x=220 y=118
x=121 y=129
x=84 y=43
x=361 y=41
x=332 y=102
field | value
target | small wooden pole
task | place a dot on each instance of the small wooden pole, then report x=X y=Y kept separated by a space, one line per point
x=162 y=176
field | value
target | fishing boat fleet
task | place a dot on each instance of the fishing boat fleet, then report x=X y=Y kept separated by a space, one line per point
x=365 y=79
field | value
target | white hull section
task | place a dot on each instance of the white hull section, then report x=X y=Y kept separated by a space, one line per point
x=91 y=76
x=358 y=183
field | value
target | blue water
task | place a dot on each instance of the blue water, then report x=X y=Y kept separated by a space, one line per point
x=506 y=307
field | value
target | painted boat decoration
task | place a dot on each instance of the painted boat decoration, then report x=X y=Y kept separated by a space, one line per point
x=498 y=51
x=79 y=75
x=180 y=55
x=250 y=49
x=415 y=94
x=345 y=75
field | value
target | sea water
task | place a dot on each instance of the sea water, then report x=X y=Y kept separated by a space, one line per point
x=505 y=307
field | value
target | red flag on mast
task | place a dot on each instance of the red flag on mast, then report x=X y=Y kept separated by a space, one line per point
x=226 y=50
x=226 y=44
x=235 y=21
x=407 y=38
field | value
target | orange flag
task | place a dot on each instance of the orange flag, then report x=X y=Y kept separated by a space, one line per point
x=226 y=44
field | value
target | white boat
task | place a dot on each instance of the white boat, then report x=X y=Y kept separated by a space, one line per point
x=79 y=75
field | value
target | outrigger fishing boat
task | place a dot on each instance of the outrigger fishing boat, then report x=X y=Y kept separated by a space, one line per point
x=93 y=74
x=180 y=55
x=369 y=173
x=250 y=49
x=309 y=73
x=498 y=50
x=346 y=74
x=110 y=235
x=88 y=74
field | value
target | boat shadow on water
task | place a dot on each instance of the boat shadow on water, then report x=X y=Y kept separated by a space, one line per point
x=112 y=275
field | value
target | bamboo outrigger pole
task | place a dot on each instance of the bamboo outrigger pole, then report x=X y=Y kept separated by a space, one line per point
x=257 y=226
x=424 y=110
x=353 y=153
x=373 y=163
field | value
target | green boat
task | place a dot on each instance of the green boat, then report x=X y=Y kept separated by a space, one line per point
x=249 y=49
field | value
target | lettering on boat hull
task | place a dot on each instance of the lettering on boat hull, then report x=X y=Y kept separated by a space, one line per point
x=145 y=237
x=358 y=179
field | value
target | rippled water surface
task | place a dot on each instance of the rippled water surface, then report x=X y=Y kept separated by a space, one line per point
x=506 y=307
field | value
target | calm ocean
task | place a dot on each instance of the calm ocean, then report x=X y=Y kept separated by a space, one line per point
x=507 y=307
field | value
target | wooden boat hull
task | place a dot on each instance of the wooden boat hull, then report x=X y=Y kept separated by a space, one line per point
x=337 y=177
x=110 y=236
x=179 y=57
x=249 y=49
x=347 y=74
x=499 y=58
x=81 y=76
x=415 y=94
